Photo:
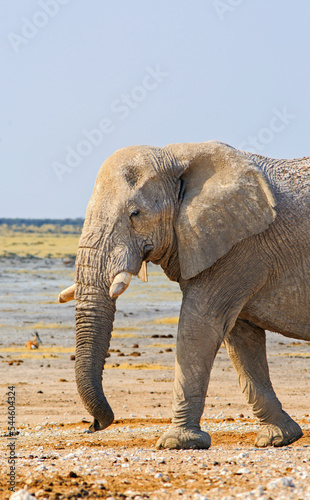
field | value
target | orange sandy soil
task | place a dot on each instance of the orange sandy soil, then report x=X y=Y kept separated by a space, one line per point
x=182 y=473
x=58 y=459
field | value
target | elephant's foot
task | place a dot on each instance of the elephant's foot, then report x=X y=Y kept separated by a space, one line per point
x=182 y=438
x=285 y=432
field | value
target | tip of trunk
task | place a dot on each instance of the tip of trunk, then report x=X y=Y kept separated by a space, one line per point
x=99 y=426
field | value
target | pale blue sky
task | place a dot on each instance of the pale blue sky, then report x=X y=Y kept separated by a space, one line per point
x=146 y=72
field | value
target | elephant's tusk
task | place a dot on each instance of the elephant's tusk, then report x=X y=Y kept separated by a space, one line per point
x=120 y=284
x=142 y=274
x=67 y=294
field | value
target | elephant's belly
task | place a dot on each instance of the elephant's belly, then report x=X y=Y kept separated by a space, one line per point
x=283 y=305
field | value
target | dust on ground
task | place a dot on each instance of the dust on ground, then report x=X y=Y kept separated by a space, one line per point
x=57 y=458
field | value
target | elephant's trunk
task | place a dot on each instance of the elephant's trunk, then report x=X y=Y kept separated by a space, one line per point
x=94 y=321
x=101 y=276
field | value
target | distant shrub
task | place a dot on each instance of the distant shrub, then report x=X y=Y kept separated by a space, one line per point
x=62 y=226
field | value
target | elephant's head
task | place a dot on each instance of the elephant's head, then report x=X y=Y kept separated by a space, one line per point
x=183 y=207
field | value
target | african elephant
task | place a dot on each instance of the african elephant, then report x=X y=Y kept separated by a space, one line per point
x=233 y=229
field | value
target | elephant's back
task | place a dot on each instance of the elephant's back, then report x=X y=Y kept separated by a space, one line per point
x=290 y=183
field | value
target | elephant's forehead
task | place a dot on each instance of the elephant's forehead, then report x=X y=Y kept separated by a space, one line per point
x=120 y=176
x=126 y=166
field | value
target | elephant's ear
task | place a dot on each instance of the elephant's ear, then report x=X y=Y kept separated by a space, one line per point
x=226 y=199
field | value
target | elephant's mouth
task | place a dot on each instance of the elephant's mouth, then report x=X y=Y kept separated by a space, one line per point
x=119 y=284
x=147 y=250
x=121 y=281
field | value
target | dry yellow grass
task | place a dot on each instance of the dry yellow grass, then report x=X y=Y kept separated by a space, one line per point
x=45 y=241
x=49 y=326
x=163 y=346
x=173 y=320
x=46 y=352
x=41 y=350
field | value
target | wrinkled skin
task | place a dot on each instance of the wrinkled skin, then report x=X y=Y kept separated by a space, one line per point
x=233 y=229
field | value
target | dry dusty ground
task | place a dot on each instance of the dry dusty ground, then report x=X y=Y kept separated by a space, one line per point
x=57 y=458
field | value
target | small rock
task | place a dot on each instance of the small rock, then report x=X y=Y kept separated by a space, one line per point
x=135 y=346
x=72 y=357
x=102 y=481
x=40 y=493
x=243 y=470
x=128 y=493
x=259 y=491
x=72 y=474
x=158 y=475
x=283 y=482
x=22 y=495
x=198 y=496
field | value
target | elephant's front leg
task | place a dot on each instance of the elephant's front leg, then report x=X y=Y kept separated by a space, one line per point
x=197 y=344
x=246 y=346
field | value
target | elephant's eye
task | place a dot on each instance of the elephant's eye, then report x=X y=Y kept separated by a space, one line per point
x=134 y=213
x=181 y=191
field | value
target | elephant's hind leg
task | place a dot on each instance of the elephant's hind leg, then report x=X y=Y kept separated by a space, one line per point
x=246 y=346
